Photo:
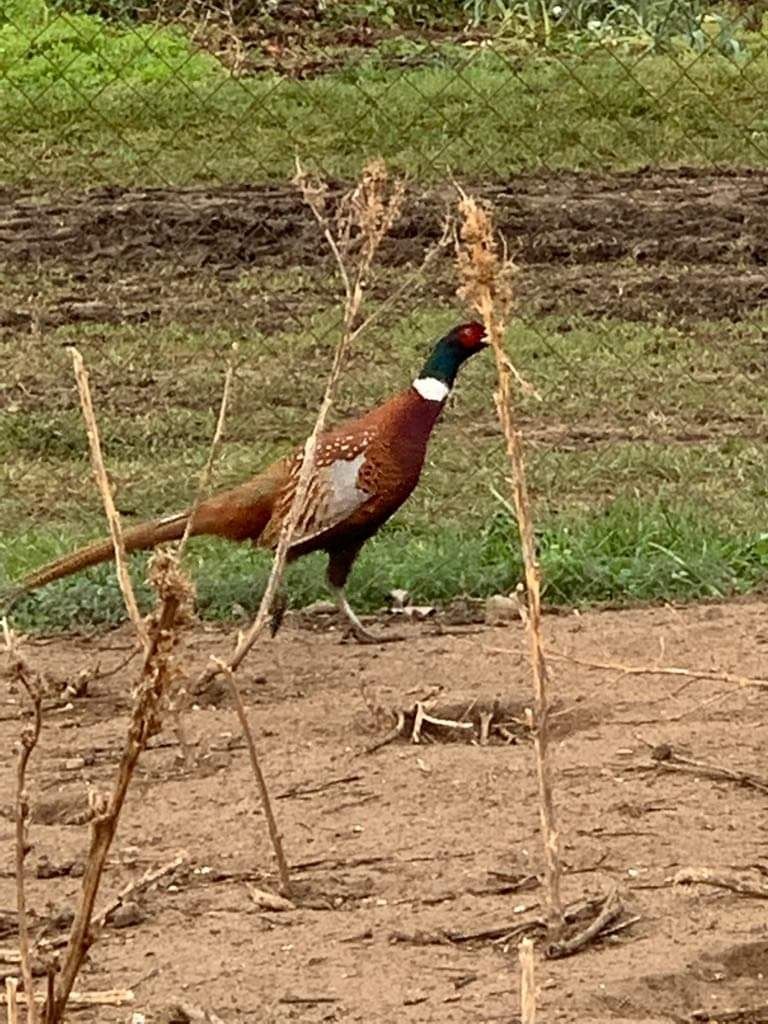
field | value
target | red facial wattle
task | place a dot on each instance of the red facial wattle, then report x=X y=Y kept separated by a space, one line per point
x=472 y=335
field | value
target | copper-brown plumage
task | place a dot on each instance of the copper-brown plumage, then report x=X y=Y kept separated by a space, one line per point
x=364 y=470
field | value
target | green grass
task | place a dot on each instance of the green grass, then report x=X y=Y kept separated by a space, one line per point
x=624 y=410
x=646 y=443
x=629 y=553
x=84 y=103
x=646 y=456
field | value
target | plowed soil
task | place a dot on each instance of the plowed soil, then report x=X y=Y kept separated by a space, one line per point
x=653 y=245
x=400 y=856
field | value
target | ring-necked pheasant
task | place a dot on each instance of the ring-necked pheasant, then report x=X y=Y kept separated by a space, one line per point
x=364 y=470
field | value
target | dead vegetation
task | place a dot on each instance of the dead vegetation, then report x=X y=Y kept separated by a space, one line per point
x=354 y=234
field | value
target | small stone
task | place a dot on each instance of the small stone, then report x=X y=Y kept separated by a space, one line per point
x=218 y=760
x=214 y=694
x=72 y=764
x=47 y=869
x=713 y=614
x=60 y=917
x=319 y=608
x=126 y=915
x=501 y=610
x=398 y=598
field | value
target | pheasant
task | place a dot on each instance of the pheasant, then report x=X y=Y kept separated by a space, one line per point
x=364 y=470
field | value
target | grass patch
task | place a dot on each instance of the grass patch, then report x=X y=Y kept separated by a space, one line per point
x=646 y=458
x=138 y=105
x=629 y=553
x=627 y=411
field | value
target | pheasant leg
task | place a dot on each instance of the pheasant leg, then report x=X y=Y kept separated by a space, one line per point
x=279 y=606
x=355 y=627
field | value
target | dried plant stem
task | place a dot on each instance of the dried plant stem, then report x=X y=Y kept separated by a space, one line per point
x=711 y=674
x=486 y=284
x=608 y=913
x=177 y=701
x=155 y=676
x=150 y=876
x=105 y=489
x=207 y=471
x=11 y=1001
x=274 y=832
x=21 y=674
x=527 y=983
x=374 y=216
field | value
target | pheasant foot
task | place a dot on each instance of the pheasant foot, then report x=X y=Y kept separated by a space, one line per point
x=355 y=627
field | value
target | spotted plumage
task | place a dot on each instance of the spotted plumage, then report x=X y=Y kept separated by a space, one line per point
x=363 y=472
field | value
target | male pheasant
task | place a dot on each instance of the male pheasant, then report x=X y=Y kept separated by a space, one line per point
x=364 y=470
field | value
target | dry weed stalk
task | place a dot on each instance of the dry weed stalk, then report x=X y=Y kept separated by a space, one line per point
x=364 y=218
x=11 y=1001
x=485 y=277
x=178 y=698
x=527 y=982
x=105 y=489
x=207 y=470
x=22 y=676
x=158 y=673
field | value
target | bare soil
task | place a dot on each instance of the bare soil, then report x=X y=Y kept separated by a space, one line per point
x=647 y=245
x=396 y=852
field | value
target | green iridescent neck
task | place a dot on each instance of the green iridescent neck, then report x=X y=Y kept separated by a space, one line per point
x=443 y=363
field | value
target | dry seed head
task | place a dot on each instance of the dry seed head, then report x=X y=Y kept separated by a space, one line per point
x=167 y=579
x=371 y=208
x=314 y=191
x=485 y=276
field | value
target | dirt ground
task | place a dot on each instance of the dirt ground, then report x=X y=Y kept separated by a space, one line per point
x=647 y=245
x=401 y=855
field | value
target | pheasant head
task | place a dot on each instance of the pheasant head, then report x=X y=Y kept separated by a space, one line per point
x=439 y=372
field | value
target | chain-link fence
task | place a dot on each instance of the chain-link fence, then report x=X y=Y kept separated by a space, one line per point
x=148 y=216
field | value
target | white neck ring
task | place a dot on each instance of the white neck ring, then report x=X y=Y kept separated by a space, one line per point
x=431 y=389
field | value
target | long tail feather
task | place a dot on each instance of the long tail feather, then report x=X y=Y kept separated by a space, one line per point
x=238 y=514
x=137 y=538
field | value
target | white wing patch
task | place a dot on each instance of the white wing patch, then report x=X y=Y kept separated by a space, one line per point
x=344 y=496
x=335 y=495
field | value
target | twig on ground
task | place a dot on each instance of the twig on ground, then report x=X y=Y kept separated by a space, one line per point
x=150 y=876
x=567 y=947
x=319 y=787
x=389 y=737
x=527 y=982
x=714 y=675
x=105 y=489
x=108 y=997
x=21 y=675
x=742 y=1015
x=666 y=758
x=721 y=880
x=485 y=278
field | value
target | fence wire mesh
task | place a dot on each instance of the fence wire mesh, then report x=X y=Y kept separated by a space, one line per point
x=147 y=215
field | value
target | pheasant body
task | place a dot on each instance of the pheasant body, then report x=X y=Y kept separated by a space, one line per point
x=363 y=472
